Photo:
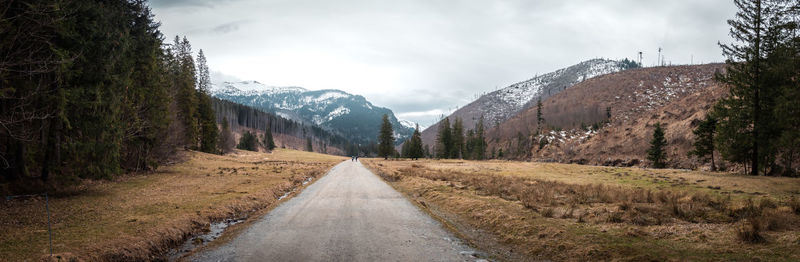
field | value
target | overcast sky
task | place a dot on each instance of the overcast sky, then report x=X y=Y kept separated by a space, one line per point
x=422 y=58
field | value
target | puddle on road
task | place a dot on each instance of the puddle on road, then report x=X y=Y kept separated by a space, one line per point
x=467 y=252
x=214 y=231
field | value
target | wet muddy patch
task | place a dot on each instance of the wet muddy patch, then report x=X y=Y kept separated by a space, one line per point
x=213 y=232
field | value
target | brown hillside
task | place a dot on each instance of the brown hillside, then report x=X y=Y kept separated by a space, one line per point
x=676 y=96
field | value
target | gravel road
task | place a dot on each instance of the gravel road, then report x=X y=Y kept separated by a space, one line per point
x=350 y=214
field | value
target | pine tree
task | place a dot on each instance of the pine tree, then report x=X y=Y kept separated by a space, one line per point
x=226 y=139
x=747 y=125
x=269 y=142
x=785 y=62
x=248 y=142
x=457 y=149
x=415 y=148
x=205 y=113
x=183 y=69
x=500 y=153
x=479 y=144
x=309 y=145
x=444 y=139
x=657 y=153
x=704 y=140
x=386 y=138
x=203 y=75
x=145 y=114
x=539 y=117
x=405 y=149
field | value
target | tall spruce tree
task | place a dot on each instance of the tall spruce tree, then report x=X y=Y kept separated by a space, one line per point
x=183 y=69
x=747 y=126
x=226 y=139
x=657 y=153
x=386 y=138
x=207 y=121
x=444 y=139
x=788 y=107
x=539 y=116
x=415 y=148
x=457 y=149
x=478 y=142
x=704 y=140
x=145 y=113
x=405 y=149
x=309 y=144
x=269 y=142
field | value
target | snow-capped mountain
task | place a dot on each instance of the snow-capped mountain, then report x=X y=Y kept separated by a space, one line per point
x=504 y=103
x=351 y=116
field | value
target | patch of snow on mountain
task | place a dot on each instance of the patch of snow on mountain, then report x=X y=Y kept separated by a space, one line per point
x=339 y=111
x=330 y=95
x=252 y=88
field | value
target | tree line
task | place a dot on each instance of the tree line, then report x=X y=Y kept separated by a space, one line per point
x=243 y=119
x=90 y=89
x=451 y=142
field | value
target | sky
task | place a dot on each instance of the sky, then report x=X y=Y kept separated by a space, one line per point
x=424 y=58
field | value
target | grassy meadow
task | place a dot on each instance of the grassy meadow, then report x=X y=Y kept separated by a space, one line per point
x=141 y=216
x=524 y=210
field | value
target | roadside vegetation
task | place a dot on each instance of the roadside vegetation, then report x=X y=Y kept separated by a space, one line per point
x=519 y=211
x=142 y=216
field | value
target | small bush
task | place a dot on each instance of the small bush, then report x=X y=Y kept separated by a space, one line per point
x=645 y=219
x=777 y=220
x=750 y=231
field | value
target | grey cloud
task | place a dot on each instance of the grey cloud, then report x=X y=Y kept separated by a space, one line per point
x=423 y=55
x=187 y=3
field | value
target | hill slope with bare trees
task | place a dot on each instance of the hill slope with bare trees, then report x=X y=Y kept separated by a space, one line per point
x=608 y=120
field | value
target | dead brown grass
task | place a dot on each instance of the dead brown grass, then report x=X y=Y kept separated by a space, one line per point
x=589 y=213
x=140 y=217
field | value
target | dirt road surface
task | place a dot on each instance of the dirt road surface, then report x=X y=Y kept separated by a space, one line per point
x=348 y=215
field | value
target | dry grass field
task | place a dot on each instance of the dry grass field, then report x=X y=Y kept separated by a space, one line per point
x=141 y=216
x=534 y=211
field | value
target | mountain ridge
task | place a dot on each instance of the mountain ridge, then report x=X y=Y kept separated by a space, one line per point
x=500 y=105
x=349 y=115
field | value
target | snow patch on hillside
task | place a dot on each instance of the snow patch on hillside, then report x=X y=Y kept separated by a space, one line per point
x=251 y=88
x=339 y=111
